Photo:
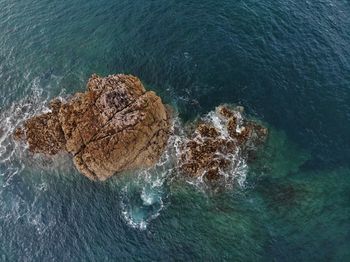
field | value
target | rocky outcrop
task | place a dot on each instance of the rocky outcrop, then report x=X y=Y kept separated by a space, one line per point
x=115 y=125
x=206 y=152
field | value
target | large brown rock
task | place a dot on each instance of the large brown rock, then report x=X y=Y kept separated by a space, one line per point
x=115 y=125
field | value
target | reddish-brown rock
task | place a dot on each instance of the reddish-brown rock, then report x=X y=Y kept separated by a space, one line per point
x=115 y=125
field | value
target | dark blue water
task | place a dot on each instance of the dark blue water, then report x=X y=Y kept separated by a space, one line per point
x=287 y=62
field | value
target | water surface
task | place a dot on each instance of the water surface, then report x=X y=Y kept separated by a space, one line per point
x=287 y=62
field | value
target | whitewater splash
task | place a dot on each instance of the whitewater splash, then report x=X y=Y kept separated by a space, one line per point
x=15 y=161
x=237 y=170
x=12 y=153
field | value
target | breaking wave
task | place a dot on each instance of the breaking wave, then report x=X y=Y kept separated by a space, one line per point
x=237 y=171
x=14 y=160
x=14 y=156
x=11 y=153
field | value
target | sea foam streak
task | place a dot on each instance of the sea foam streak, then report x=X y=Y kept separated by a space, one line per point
x=14 y=155
x=10 y=154
x=145 y=197
x=13 y=161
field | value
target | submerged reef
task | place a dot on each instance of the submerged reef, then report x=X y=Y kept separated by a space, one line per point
x=219 y=141
x=116 y=125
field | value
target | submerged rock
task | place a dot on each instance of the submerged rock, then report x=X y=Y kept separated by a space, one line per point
x=115 y=125
x=208 y=149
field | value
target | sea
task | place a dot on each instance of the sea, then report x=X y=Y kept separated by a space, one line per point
x=287 y=62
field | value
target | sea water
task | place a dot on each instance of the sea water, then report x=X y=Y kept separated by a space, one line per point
x=287 y=62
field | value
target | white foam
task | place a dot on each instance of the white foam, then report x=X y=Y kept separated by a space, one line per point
x=143 y=198
x=14 y=156
x=236 y=173
x=11 y=152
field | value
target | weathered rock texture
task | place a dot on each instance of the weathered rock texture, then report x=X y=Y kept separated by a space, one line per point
x=115 y=125
x=206 y=151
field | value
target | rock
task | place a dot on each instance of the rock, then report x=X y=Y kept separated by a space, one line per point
x=206 y=150
x=44 y=133
x=116 y=125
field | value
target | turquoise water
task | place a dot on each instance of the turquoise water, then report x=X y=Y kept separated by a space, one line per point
x=287 y=62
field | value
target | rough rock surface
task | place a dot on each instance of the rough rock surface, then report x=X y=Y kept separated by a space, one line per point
x=43 y=132
x=115 y=125
x=206 y=151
